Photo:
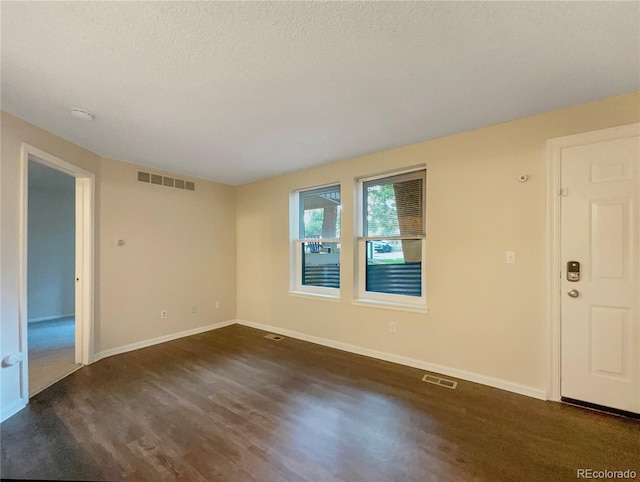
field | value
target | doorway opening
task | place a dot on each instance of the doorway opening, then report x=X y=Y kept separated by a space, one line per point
x=51 y=331
x=56 y=270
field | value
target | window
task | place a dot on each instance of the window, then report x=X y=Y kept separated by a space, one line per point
x=315 y=263
x=391 y=249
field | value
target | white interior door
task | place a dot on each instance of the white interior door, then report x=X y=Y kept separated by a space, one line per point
x=600 y=326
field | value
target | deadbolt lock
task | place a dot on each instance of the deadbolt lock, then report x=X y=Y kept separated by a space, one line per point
x=573 y=271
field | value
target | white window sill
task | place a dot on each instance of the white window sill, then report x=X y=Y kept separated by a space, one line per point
x=315 y=296
x=388 y=305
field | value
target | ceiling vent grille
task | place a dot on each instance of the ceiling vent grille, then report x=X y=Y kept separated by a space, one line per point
x=166 y=181
x=443 y=382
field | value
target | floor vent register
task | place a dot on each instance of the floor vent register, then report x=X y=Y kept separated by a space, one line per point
x=443 y=382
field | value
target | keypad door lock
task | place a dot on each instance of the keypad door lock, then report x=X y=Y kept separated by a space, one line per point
x=573 y=271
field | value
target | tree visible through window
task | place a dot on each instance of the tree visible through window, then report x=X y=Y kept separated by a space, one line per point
x=393 y=234
x=381 y=210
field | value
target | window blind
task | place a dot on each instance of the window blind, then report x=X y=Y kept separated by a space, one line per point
x=394 y=206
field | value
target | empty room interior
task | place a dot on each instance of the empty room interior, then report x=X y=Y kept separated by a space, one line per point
x=320 y=241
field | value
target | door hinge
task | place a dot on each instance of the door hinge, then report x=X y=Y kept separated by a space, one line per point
x=563 y=192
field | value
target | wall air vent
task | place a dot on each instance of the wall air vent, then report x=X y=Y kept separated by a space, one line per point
x=273 y=337
x=443 y=382
x=144 y=176
x=166 y=181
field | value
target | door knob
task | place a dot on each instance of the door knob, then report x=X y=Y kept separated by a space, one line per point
x=573 y=293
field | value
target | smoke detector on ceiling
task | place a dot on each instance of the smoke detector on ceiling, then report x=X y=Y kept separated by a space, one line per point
x=82 y=114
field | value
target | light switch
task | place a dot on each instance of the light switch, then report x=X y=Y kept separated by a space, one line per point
x=510 y=257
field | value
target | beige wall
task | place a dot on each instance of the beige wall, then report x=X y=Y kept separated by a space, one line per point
x=180 y=250
x=485 y=316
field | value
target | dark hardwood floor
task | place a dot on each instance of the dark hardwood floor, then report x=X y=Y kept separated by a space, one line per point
x=230 y=405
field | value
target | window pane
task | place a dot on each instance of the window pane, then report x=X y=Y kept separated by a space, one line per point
x=321 y=264
x=394 y=206
x=394 y=266
x=320 y=213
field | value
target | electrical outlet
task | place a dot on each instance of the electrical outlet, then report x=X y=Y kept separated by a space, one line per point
x=163 y=314
x=510 y=257
x=392 y=327
x=217 y=305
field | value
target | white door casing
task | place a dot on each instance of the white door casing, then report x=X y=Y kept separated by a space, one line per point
x=84 y=272
x=598 y=219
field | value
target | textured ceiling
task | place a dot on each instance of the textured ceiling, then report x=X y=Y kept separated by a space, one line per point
x=235 y=91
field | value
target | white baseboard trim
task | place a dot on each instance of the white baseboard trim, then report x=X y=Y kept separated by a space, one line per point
x=49 y=318
x=402 y=360
x=160 y=339
x=390 y=357
x=11 y=409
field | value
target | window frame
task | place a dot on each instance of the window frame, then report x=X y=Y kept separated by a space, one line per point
x=374 y=297
x=295 y=277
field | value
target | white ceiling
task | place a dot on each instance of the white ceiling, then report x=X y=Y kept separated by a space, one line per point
x=235 y=91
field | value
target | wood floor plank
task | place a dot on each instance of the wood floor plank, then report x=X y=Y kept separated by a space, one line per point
x=230 y=405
